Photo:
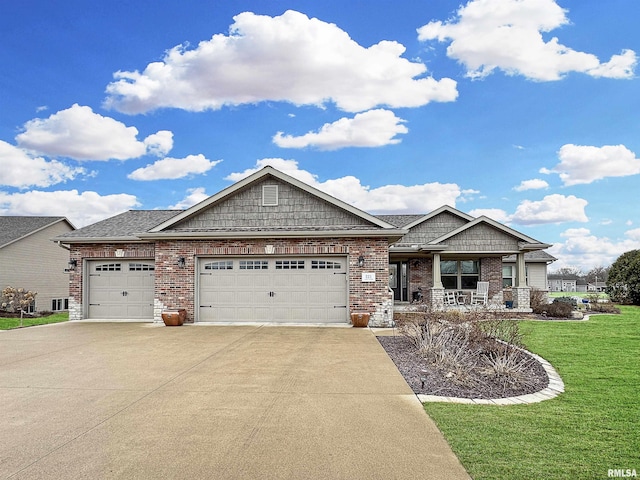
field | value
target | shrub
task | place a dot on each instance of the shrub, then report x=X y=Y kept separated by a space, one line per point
x=16 y=300
x=559 y=309
x=568 y=300
x=538 y=300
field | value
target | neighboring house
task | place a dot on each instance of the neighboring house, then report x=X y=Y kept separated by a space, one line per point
x=597 y=286
x=558 y=283
x=30 y=260
x=581 y=285
x=270 y=248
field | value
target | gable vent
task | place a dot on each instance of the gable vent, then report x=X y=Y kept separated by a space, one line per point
x=269 y=195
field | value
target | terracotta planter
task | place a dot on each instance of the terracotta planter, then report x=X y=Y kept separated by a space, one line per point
x=174 y=318
x=360 y=319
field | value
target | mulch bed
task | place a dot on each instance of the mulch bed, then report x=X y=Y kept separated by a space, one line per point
x=414 y=368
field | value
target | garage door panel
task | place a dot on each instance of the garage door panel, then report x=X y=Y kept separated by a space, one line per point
x=121 y=289
x=274 y=289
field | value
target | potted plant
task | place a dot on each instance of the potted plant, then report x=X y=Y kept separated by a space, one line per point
x=174 y=318
x=507 y=295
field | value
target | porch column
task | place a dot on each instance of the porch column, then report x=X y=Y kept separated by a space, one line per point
x=437 y=291
x=521 y=293
x=521 y=274
x=437 y=279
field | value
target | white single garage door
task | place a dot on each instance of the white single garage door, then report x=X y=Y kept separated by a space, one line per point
x=293 y=290
x=121 y=289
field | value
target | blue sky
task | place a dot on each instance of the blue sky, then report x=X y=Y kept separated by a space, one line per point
x=526 y=111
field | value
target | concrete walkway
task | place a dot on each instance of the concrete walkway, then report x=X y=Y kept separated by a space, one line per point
x=126 y=400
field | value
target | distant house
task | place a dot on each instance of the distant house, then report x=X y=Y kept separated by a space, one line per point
x=30 y=260
x=581 y=285
x=597 y=286
x=558 y=283
x=271 y=248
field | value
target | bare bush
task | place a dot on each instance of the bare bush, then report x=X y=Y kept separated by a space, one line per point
x=470 y=347
x=538 y=300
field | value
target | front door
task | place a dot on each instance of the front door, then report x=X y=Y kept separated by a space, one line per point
x=398 y=280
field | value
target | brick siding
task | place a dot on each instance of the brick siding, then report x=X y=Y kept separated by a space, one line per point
x=175 y=286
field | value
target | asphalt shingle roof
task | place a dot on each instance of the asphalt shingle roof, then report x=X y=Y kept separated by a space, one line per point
x=400 y=220
x=14 y=228
x=535 y=256
x=126 y=224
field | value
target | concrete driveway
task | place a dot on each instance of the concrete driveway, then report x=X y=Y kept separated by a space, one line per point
x=142 y=401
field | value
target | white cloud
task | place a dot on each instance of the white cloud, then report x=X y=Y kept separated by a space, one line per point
x=289 y=58
x=496 y=214
x=195 y=195
x=81 y=134
x=533 y=184
x=21 y=170
x=385 y=199
x=580 y=164
x=551 y=209
x=583 y=249
x=374 y=128
x=80 y=208
x=159 y=144
x=172 y=168
x=507 y=34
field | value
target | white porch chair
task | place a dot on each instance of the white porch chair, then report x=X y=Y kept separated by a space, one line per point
x=481 y=295
x=450 y=297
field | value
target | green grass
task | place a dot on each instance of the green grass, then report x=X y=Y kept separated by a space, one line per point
x=591 y=428
x=9 y=323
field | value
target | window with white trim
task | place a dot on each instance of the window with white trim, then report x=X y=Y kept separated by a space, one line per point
x=59 y=304
x=509 y=275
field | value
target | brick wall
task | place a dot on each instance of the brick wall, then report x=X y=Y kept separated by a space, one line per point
x=491 y=271
x=175 y=286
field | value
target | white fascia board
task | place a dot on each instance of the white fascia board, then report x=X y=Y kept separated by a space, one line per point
x=270 y=171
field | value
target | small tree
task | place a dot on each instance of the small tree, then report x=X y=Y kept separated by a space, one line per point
x=623 y=283
x=16 y=300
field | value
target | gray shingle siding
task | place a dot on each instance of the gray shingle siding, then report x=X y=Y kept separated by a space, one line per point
x=432 y=228
x=483 y=237
x=296 y=210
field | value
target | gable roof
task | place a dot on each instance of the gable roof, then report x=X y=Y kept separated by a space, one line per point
x=363 y=224
x=438 y=211
x=16 y=228
x=123 y=227
x=400 y=220
x=494 y=224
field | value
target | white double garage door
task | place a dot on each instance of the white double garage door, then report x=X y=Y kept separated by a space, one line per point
x=280 y=289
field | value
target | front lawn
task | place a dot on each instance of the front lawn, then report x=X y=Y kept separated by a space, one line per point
x=9 y=323
x=591 y=428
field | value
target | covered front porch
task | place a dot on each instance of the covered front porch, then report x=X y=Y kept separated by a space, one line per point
x=451 y=281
